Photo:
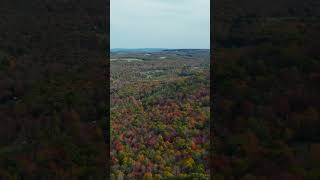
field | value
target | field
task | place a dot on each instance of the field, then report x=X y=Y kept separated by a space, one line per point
x=160 y=110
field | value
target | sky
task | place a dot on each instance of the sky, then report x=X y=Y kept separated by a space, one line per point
x=172 y=24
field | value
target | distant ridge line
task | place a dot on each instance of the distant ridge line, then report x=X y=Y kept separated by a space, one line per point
x=152 y=49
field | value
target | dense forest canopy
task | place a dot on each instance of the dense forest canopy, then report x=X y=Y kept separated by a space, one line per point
x=266 y=96
x=160 y=110
x=53 y=84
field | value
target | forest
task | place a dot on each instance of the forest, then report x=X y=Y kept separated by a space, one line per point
x=53 y=89
x=160 y=110
x=54 y=96
x=266 y=78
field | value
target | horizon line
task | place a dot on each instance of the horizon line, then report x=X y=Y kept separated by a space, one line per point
x=158 y=48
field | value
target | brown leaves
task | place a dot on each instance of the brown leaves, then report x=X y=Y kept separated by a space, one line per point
x=118 y=146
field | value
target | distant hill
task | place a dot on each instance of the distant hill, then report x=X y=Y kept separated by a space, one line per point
x=137 y=50
x=150 y=50
x=187 y=50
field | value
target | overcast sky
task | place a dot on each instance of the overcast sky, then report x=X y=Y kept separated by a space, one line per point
x=160 y=24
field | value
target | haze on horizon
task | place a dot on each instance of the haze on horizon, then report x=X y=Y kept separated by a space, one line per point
x=169 y=24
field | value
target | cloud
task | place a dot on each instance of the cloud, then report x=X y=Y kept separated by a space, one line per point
x=160 y=23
